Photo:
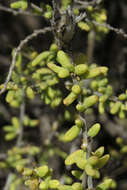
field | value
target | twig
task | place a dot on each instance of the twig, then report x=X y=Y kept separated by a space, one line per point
x=21 y=118
x=14 y=12
x=8 y=181
x=18 y=49
x=116 y=30
x=36 y=7
x=86 y=4
x=87 y=180
x=88 y=147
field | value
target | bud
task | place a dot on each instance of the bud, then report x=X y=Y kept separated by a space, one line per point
x=119 y=141
x=42 y=56
x=10 y=96
x=109 y=90
x=9 y=128
x=71 y=159
x=94 y=85
x=56 y=102
x=15 y=122
x=88 y=102
x=3 y=164
x=89 y=170
x=81 y=69
x=103 y=98
x=93 y=160
x=63 y=73
x=43 y=71
x=79 y=122
x=102 y=161
x=70 y=99
x=84 y=26
x=101 y=107
x=19 y=168
x=77 y=186
x=54 y=47
x=72 y=133
x=99 y=152
x=103 y=82
x=30 y=93
x=48 y=15
x=65 y=187
x=43 y=185
x=80 y=107
x=81 y=162
x=115 y=108
x=53 y=184
x=54 y=67
x=19 y=5
x=15 y=103
x=64 y=60
x=76 y=89
x=77 y=174
x=105 y=185
x=42 y=171
x=27 y=171
x=53 y=81
x=10 y=136
x=94 y=130
x=124 y=149
x=122 y=113
x=18 y=62
x=51 y=92
x=94 y=72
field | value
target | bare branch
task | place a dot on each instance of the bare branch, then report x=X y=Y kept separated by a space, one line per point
x=18 y=49
x=86 y=4
x=116 y=30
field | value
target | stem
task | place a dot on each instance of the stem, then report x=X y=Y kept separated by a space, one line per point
x=8 y=181
x=19 y=141
x=21 y=118
x=87 y=180
x=88 y=153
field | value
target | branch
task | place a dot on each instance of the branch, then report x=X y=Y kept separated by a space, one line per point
x=18 y=49
x=86 y=4
x=14 y=12
x=21 y=119
x=116 y=30
x=8 y=181
x=88 y=153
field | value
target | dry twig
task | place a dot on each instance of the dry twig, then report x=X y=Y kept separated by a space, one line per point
x=18 y=49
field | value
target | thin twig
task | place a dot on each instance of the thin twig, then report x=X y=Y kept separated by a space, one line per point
x=88 y=152
x=8 y=181
x=116 y=30
x=86 y=4
x=18 y=49
x=14 y=12
x=87 y=180
x=19 y=140
x=21 y=118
